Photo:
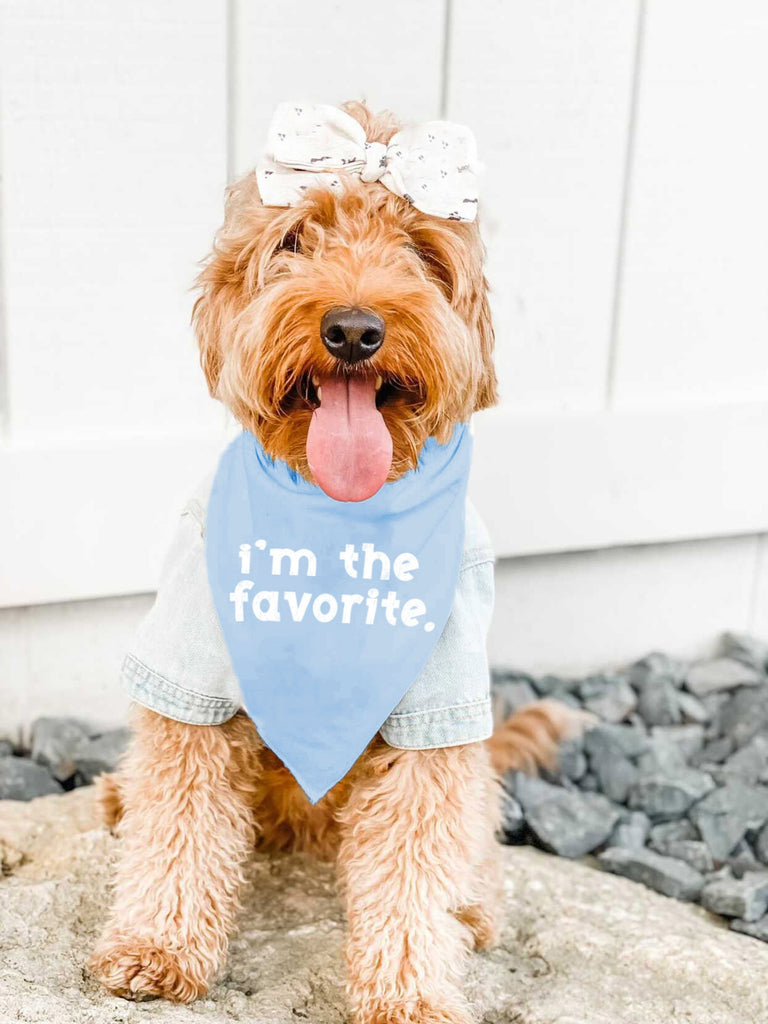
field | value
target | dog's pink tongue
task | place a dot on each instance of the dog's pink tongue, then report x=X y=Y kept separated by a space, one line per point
x=349 y=448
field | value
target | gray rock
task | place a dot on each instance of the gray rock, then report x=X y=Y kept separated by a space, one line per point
x=761 y=844
x=724 y=815
x=100 y=754
x=637 y=723
x=54 y=742
x=743 y=715
x=631 y=833
x=689 y=739
x=589 y=783
x=667 y=832
x=556 y=778
x=721 y=674
x=693 y=851
x=667 y=796
x=661 y=756
x=745 y=898
x=722 y=872
x=716 y=773
x=572 y=824
x=24 y=779
x=757 y=929
x=614 y=702
x=657 y=702
x=664 y=874
x=747 y=649
x=623 y=739
x=529 y=790
x=6 y=748
x=657 y=666
x=572 y=762
x=502 y=674
x=562 y=692
x=693 y=709
x=743 y=860
x=569 y=699
x=512 y=826
x=616 y=775
x=750 y=763
x=511 y=694
x=562 y=781
x=713 y=702
x=713 y=752
x=554 y=686
x=592 y=686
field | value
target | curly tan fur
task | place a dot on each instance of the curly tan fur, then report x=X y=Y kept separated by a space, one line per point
x=187 y=821
x=412 y=830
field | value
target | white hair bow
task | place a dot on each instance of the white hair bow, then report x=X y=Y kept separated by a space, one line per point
x=432 y=165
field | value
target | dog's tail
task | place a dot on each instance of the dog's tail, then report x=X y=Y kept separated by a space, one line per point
x=530 y=738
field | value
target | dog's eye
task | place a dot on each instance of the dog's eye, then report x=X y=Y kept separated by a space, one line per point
x=436 y=267
x=290 y=242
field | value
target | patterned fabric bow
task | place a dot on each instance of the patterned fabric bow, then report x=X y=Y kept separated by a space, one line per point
x=433 y=165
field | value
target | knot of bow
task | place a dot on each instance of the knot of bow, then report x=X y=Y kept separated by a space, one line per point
x=432 y=165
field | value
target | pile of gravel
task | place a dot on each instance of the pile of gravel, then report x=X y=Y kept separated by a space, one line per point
x=670 y=788
x=64 y=753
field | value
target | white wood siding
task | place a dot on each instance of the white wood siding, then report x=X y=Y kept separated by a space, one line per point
x=626 y=214
x=693 y=324
x=113 y=121
x=547 y=88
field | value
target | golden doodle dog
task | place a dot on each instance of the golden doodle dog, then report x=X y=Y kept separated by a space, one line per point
x=411 y=830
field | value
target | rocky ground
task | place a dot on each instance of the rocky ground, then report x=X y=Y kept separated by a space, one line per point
x=580 y=946
x=670 y=788
x=63 y=753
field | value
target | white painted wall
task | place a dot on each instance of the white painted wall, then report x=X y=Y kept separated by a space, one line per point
x=626 y=216
x=586 y=610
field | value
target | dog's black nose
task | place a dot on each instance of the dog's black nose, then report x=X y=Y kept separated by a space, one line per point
x=351 y=334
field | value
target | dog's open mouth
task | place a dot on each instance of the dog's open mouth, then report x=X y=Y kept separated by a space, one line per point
x=349 y=448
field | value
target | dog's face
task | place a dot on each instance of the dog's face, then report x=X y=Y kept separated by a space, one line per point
x=346 y=330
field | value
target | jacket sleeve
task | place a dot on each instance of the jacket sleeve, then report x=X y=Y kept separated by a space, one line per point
x=178 y=664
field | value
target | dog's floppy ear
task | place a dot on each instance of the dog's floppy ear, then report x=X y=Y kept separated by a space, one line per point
x=482 y=323
x=230 y=275
x=207 y=317
x=473 y=289
x=454 y=253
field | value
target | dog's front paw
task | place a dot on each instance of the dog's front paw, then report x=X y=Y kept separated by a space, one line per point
x=421 y=1011
x=139 y=969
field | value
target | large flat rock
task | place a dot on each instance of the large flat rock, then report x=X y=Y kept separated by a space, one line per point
x=579 y=946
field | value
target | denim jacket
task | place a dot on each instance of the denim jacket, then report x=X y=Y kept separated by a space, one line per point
x=179 y=666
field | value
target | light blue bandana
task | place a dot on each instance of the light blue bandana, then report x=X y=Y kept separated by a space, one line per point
x=331 y=609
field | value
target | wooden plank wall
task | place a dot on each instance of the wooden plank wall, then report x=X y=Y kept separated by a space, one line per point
x=624 y=207
x=114 y=141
